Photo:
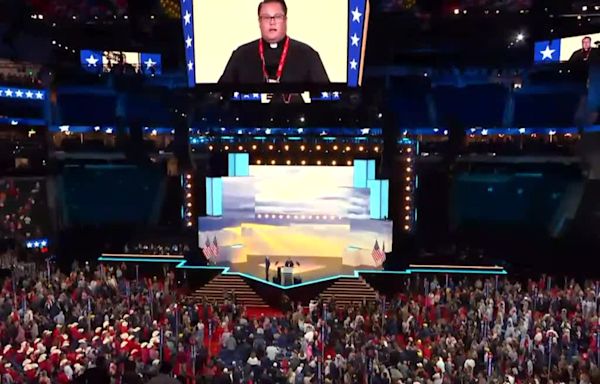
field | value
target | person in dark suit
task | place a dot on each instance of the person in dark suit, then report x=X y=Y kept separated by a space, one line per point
x=275 y=57
x=267 y=266
x=586 y=53
x=289 y=263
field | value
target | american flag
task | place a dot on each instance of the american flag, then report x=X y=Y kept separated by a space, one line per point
x=215 y=247
x=378 y=254
x=208 y=250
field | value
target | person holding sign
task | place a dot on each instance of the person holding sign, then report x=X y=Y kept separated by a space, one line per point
x=275 y=57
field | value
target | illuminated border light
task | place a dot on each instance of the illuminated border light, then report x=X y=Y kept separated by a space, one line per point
x=303 y=162
x=302 y=147
x=318 y=147
x=334 y=162
x=210 y=147
x=407 y=198
x=361 y=148
x=240 y=148
x=273 y=162
x=376 y=149
x=348 y=148
x=288 y=162
x=407 y=218
x=254 y=147
x=335 y=147
x=318 y=162
x=270 y=147
x=227 y=147
x=406 y=228
x=258 y=162
x=286 y=147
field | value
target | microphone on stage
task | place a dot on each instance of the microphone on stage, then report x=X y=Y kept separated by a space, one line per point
x=277 y=262
x=297 y=264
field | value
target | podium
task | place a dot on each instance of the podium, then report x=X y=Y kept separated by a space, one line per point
x=287 y=276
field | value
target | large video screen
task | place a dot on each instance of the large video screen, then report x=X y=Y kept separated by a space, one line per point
x=121 y=62
x=303 y=42
x=575 y=49
x=299 y=212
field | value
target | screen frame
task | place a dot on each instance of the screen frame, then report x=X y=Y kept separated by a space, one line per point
x=355 y=55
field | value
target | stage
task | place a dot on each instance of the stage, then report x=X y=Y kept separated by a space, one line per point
x=306 y=268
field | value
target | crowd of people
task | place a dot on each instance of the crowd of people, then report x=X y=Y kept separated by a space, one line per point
x=22 y=208
x=94 y=325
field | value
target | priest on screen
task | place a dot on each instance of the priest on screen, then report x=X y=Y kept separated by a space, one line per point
x=275 y=57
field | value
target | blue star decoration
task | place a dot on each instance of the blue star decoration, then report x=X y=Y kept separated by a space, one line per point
x=356 y=20
x=187 y=21
x=22 y=94
x=91 y=61
x=151 y=63
x=547 y=51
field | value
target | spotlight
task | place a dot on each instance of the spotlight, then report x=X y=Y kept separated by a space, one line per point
x=303 y=162
x=409 y=150
x=189 y=205
x=408 y=159
x=188 y=196
x=302 y=119
x=188 y=176
x=456 y=11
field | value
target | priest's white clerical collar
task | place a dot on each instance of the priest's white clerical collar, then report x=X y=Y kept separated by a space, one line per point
x=274 y=45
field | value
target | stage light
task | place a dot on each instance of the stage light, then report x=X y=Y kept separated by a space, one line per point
x=318 y=162
x=408 y=169
x=266 y=216
x=227 y=147
x=406 y=217
x=318 y=147
x=188 y=196
x=348 y=162
x=376 y=149
x=361 y=148
x=347 y=149
x=520 y=37
x=286 y=147
x=210 y=147
x=240 y=148
x=303 y=162
x=334 y=162
x=254 y=147
x=258 y=162
x=302 y=119
x=584 y=8
x=409 y=150
x=288 y=162
x=272 y=162
x=335 y=147
x=407 y=208
x=270 y=147
x=302 y=147
x=406 y=227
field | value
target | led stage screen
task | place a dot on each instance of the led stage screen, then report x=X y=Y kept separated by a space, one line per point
x=296 y=211
x=121 y=62
x=575 y=49
x=223 y=40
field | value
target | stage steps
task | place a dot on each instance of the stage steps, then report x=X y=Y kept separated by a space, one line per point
x=348 y=291
x=219 y=287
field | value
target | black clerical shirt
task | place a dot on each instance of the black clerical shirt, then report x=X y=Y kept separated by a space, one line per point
x=303 y=64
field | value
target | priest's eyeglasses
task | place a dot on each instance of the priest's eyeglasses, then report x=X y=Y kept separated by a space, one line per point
x=277 y=18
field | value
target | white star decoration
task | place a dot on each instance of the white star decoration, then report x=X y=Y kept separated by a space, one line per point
x=39 y=95
x=149 y=63
x=547 y=53
x=356 y=15
x=190 y=65
x=29 y=94
x=19 y=93
x=354 y=64
x=355 y=39
x=324 y=95
x=8 y=93
x=188 y=42
x=91 y=61
x=187 y=18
